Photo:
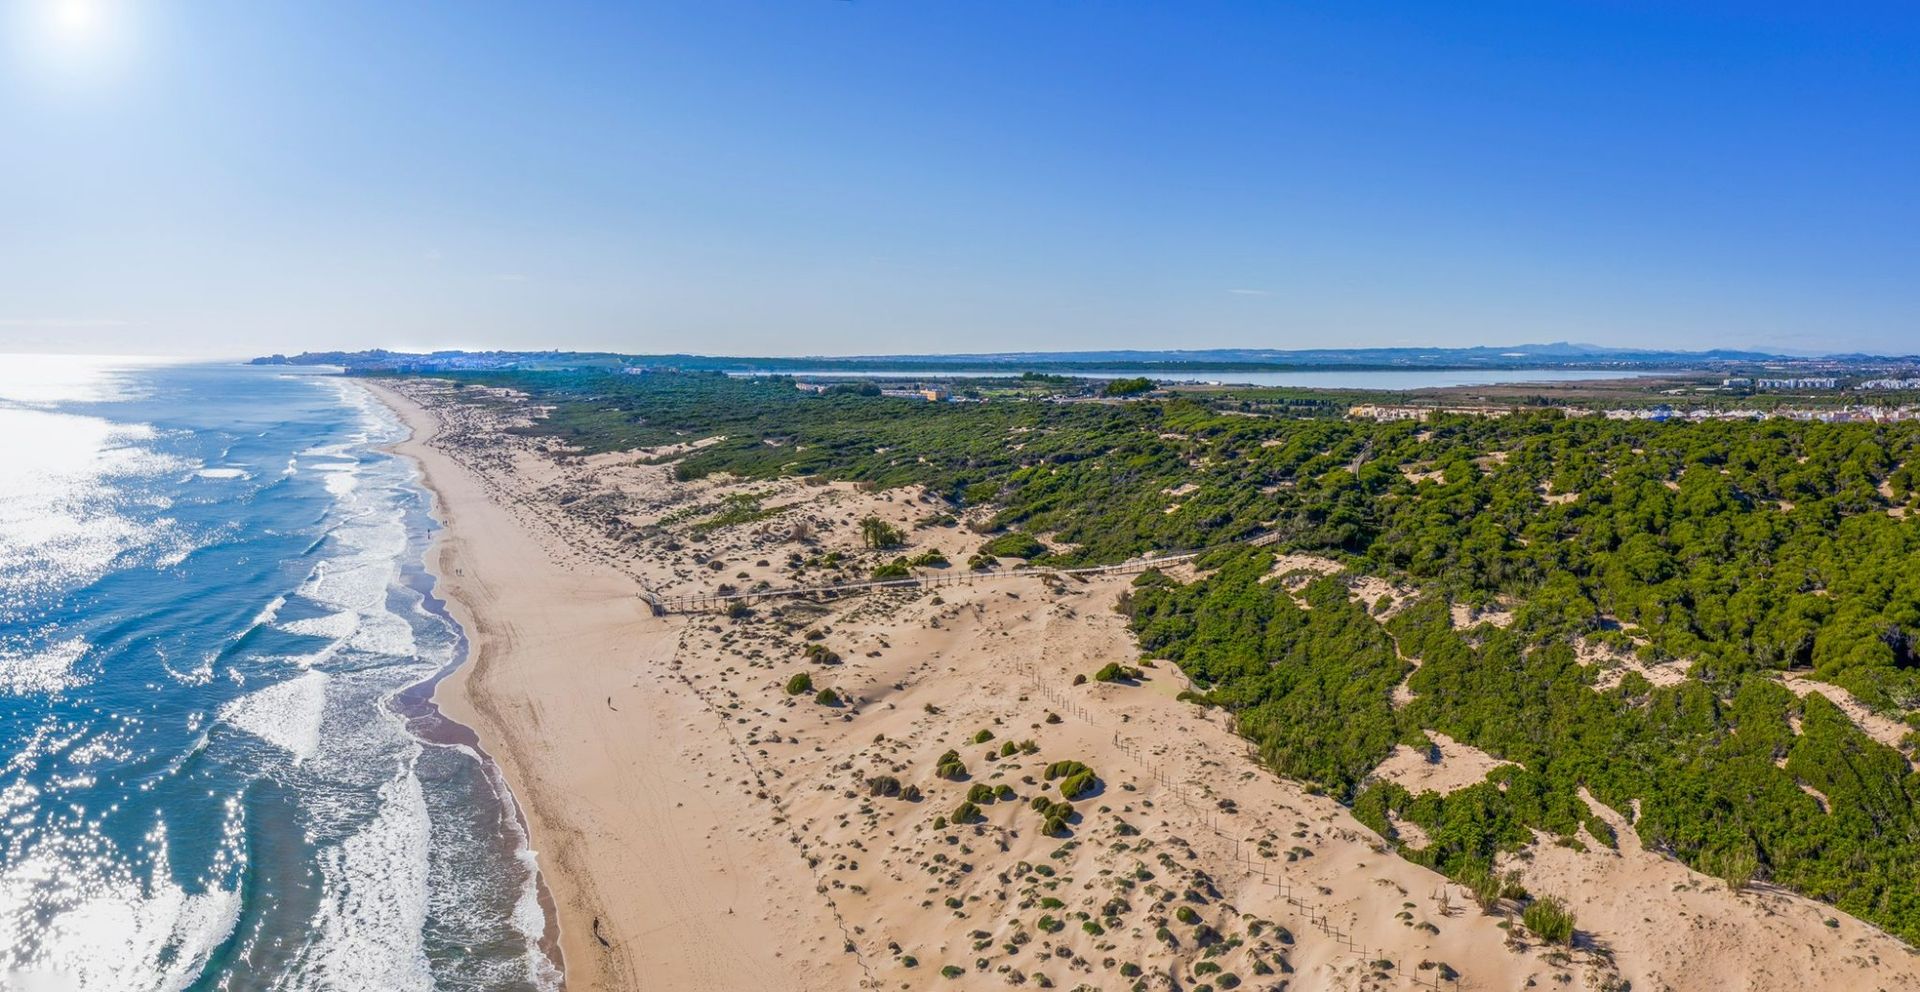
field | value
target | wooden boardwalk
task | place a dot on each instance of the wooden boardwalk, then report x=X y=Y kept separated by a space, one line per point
x=721 y=602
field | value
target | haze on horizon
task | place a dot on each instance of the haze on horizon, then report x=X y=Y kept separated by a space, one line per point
x=812 y=177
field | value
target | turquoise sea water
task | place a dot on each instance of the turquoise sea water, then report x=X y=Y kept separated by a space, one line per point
x=213 y=774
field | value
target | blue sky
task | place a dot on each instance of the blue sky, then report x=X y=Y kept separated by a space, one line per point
x=229 y=177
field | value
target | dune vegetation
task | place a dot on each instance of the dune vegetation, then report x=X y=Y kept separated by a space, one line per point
x=1538 y=565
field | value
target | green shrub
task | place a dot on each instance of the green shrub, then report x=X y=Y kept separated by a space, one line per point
x=801 y=682
x=1549 y=920
x=827 y=697
x=1061 y=769
x=950 y=766
x=1014 y=544
x=980 y=793
x=1078 y=784
x=1054 y=816
x=877 y=533
x=983 y=736
x=883 y=785
x=966 y=812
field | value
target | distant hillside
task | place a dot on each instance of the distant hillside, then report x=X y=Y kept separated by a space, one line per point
x=1559 y=355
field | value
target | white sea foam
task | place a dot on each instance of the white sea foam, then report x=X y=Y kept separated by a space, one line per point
x=384 y=633
x=49 y=669
x=268 y=613
x=200 y=674
x=341 y=449
x=368 y=934
x=351 y=585
x=223 y=473
x=286 y=715
x=384 y=537
x=334 y=626
x=340 y=485
x=529 y=917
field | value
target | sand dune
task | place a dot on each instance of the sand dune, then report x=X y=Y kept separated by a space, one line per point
x=701 y=827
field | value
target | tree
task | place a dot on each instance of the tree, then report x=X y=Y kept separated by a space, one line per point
x=877 y=533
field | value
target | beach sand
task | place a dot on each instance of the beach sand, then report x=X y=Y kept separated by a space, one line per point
x=700 y=827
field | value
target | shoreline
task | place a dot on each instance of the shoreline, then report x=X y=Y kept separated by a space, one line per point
x=563 y=689
x=420 y=704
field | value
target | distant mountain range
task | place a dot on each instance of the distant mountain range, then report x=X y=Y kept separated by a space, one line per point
x=1560 y=355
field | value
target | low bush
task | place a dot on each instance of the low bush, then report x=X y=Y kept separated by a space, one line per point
x=1549 y=920
x=1014 y=544
x=877 y=533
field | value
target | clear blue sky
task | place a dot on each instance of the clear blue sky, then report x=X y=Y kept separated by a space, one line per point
x=814 y=176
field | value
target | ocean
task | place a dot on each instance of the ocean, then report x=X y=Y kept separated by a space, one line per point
x=219 y=764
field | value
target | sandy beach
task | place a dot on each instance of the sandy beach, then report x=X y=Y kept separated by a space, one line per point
x=702 y=825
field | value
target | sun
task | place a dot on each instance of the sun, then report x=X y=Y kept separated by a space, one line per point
x=68 y=42
x=75 y=22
